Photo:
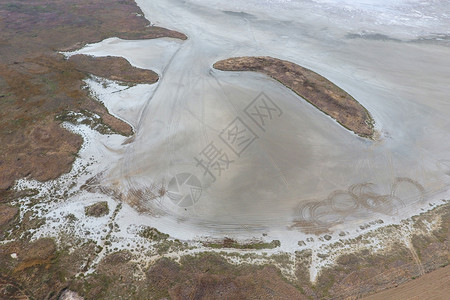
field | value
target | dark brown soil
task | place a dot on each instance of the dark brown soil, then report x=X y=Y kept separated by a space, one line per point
x=42 y=151
x=314 y=88
x=10 y=291
x=7 y=213
x=114 y=68
x=30 y=28
x=38 y=270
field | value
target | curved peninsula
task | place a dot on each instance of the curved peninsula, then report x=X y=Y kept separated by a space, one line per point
x=314 y=88
x=113 y=68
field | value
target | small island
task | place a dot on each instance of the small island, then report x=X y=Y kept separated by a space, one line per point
x=314 y=88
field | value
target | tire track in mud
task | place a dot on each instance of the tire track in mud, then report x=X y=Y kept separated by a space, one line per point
x=187 y=77
x=444 y=166
x=135 y=191
x=320 y=215
x=414 y=255
x=174 y=124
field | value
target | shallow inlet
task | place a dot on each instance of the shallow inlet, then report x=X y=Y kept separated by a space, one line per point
x=300 y=169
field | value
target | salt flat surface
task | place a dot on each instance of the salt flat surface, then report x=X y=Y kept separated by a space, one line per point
x=299 y=171
x=142 y=53
x=300 y=156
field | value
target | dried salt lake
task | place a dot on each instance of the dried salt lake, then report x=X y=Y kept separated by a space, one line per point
x=201 y=164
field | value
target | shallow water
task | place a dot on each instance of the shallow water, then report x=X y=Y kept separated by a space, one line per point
x=300 y=168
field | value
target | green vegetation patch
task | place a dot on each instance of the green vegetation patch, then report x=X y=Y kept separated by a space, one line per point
x=153 y=234
x=230 y=243
x=98 y=209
